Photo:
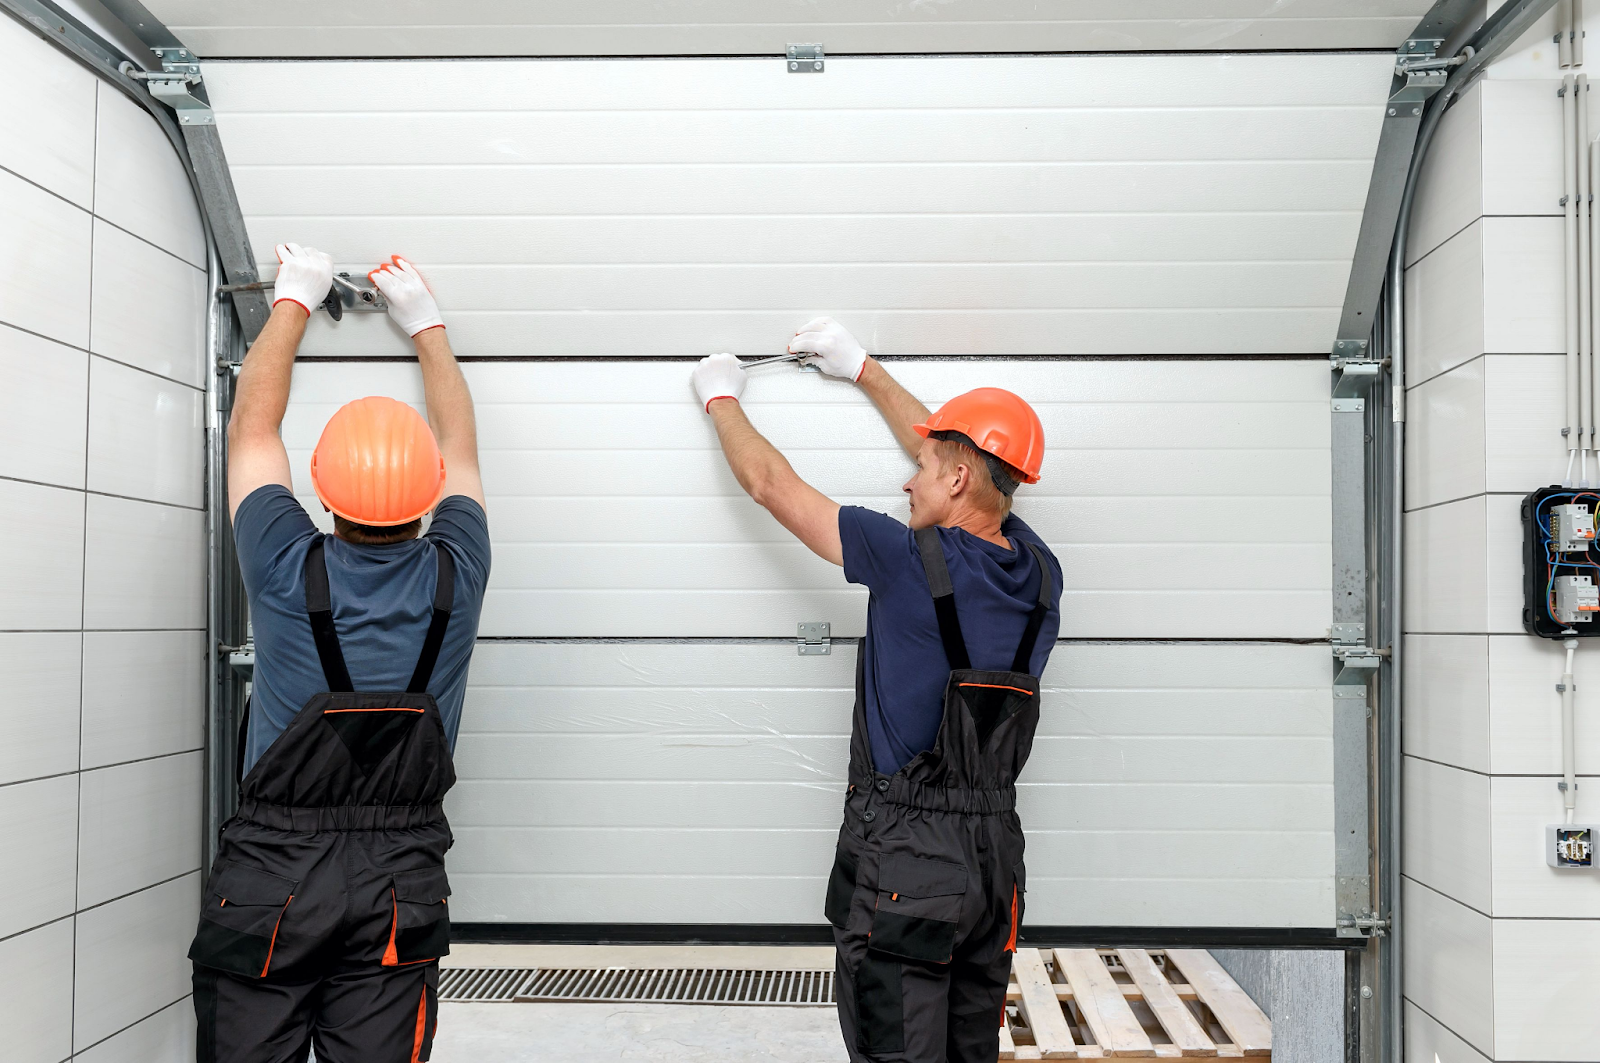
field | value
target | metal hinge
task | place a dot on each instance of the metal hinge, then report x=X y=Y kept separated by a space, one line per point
x=1356 y=371
x=805 y=59
x=1362 y=925
x=814 y=638
x=173 y=83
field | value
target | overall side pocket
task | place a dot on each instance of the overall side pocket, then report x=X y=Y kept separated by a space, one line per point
x=919 y=908
x=421 y=927
x=841 y=887
x=240 y=920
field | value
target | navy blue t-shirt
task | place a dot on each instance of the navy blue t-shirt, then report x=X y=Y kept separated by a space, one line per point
x=382 y=605
x=903 y=656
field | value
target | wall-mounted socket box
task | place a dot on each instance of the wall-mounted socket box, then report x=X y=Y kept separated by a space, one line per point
x=1560 y=564
x=1569 y=846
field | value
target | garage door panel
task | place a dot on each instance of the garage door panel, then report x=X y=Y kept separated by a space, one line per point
x=1220 y=237
x=783 y=126
x=1199 y=767
x=1116 y=83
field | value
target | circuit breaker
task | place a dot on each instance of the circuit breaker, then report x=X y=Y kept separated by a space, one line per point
x=1560 y=564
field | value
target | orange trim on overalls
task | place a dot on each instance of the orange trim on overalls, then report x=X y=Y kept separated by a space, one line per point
x=274 y=942
x=422 y=1027
x=1011 y=946
x=995 y=686
x=398 y=708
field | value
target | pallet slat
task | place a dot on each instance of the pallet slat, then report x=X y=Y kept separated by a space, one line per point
x=1162 y=999
x=1236 y=1013
x=1104 y=1008
x=1041 y=1008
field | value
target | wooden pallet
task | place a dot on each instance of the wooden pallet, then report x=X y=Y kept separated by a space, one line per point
x=1093 y=1003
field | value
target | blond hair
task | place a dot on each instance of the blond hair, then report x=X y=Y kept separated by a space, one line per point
x=985 y=495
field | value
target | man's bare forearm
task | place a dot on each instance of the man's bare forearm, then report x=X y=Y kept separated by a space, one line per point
x=899 y=407
x=755 y=462
x=444 y=388
x=262 y=393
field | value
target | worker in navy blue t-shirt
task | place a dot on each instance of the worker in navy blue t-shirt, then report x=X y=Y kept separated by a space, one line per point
x=926 y=891
x=326 y=910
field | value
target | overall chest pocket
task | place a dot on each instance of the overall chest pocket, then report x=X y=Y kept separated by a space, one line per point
x=919 y=908
x=421 y=927
x=240 y=920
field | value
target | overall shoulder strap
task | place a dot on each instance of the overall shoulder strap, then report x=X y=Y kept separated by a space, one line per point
x=1030 y=634
x=320 y=608
x=444 y=597
x=944 y=597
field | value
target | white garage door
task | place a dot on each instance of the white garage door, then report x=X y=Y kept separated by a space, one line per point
x=641 y=744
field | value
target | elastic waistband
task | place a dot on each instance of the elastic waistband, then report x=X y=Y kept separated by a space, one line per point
x=341 y=817
x=941 y=798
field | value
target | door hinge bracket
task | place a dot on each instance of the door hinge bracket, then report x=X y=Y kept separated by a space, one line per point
x=814 y=638
x=174 y=86
x=805 y=59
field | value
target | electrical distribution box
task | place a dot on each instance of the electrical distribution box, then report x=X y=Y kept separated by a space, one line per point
x=1560 y=565
x=1569 y=846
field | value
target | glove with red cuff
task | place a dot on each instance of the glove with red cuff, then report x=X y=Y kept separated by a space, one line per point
x=836 y=351
x=718 y=376
x=411 y=304
x=304 y=276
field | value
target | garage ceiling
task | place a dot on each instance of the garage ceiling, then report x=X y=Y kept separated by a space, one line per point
x=365 y=28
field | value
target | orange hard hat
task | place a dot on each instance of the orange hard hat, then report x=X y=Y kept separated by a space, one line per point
x=996 y=422
x=377 y=463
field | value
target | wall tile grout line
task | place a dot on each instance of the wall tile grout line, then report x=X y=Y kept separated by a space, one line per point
x=101 y=218
x=102 y=494
x=96 y=354
x=1455 y=900
x=135 y=1022
x=146 y=372
x=102 y=767
x=142 y=889
x=1457 y=1035
x=40 y=926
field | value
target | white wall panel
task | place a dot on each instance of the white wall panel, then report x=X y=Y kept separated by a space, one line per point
x=1525 y=710
x=1544 y=974
x=594 y=503
x=38 y=831
x=144 y=565
x=44 y=262
x=632 y=782
x=149 y=307
x=1522 y=283
x=143 y=694
x=36 y=984
x=637 y=183
x=1446 y=568
x=1449 y=194
x=1449 y=964
x=1447 y=700
x=41 y=557
x=1445 y=306
x=1431 y=1041
x=140 y=181
x=146 y=436
x=728 y=27
x=1522 y=147
x=1525 y=887
x=131 y=957
x=139 y=824
x=47 y=135
x=42 y=431
x=1446 y=453
x=39 y=691
x=168 y=1036
x=1446 y=842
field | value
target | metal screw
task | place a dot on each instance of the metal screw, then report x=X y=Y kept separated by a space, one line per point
x=1391 y=112
x=794 y=66
x=1366 y=992
x=817 y=65
x=1416 y=110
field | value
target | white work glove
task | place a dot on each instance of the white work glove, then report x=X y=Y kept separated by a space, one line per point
x=718 y=376
x=304 y=276
x=837 y=352
x=410 y=302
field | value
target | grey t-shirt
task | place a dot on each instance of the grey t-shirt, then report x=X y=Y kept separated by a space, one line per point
x=382 y=605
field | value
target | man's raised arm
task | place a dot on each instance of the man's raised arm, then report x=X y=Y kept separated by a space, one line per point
x=256 y=456
x=761 y=470
x=450 y=412
x=838 y=354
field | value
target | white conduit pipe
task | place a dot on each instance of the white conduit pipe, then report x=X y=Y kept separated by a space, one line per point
x=1577 y=37
x=1569 y=207
x=1592 y=442
x=1569 y=772
x=1564 y=33
x=1586 y=410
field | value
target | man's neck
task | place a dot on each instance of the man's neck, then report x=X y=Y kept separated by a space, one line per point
x=985 y=526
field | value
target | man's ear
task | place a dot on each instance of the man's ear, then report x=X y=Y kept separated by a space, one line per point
x=963 y=476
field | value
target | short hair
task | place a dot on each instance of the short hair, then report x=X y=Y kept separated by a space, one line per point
x=985 y=495
x=373 y=535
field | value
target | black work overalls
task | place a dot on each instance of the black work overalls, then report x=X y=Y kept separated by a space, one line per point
x=325 y=913
x=927 y=886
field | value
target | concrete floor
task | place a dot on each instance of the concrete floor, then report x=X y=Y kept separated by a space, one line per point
x=664 y=1033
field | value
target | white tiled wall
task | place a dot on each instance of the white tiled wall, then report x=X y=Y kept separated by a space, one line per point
x=102 y=608
x=1500 y=948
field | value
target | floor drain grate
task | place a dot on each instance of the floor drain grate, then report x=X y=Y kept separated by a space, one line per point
x=658 y=985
